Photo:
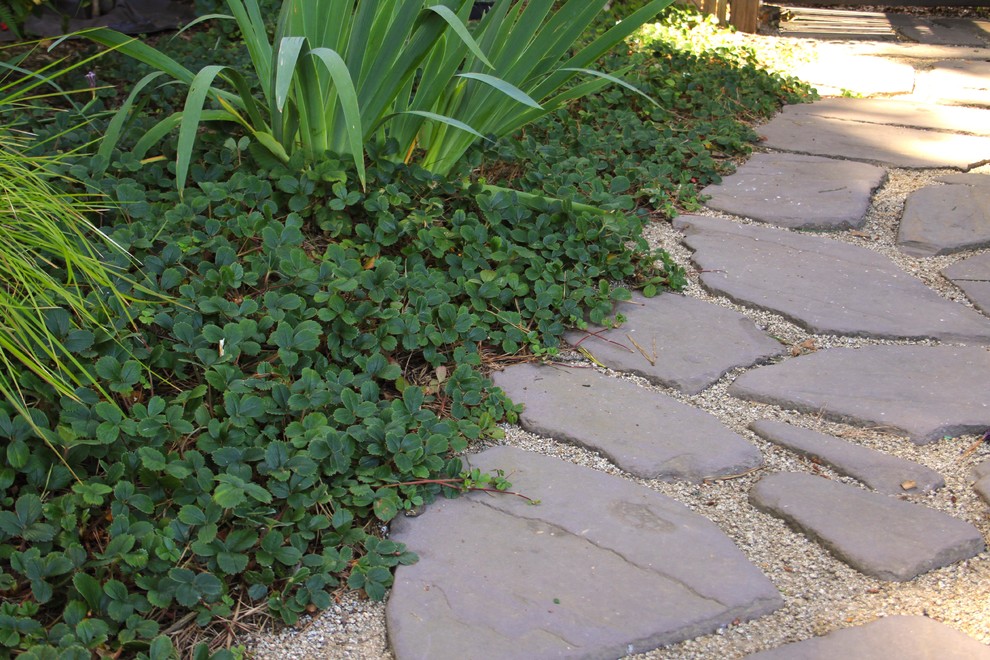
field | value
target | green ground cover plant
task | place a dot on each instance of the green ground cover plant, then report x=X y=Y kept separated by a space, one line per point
x=313 y=351
x=710 y=88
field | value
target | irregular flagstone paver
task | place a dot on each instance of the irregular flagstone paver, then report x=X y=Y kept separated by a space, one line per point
x=602 y=567
x=943 y=31
x=982 y=484
x=859 y=74
x=897 y=113
x=952 y=81
x=945 y=219
x=972 y=275
x=881 y=472
x=924 y=392
x=894 y=637
x=677 y=341
x=878 y=535
x=823 y=285
x=896 y=146
x=981 y=180
x=645 y=433
x=798 y=191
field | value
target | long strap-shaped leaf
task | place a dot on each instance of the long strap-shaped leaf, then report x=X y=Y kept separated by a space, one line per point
x=348 y=98
x=254 y=31
x=199 y=89
x=599 y=47
x=116 y=125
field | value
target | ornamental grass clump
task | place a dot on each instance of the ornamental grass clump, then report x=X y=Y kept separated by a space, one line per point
x=57 y=289
x=340 y=75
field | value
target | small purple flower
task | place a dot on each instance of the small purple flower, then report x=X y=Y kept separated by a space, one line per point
x=91 y=77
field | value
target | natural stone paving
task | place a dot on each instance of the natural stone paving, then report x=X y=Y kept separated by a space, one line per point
x=602 y=567
x=823 y=285
x=981 y=483
x=924 y=392
x=882 y=472
x=798 y=191
x=678 y=342
x=893 y=637
x=972 y=275
x=896 y=146
x=645 y=433
x=942 y=30
x=896 y=112
x=858 y=75
x=952 y=81
x=943 y=219
x=876 y=534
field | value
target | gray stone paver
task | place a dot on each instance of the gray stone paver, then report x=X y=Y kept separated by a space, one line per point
x=952 y=81
x=645 y=433
x=823 y=285
x=972 y=275
x=896 y=112
x=896 y=146
x=882 y=472
x=981 y=180
x=798 y=191
x=943 y=219
x=876 y=534
x=859 y=74
x=924 y=392
x=981 y=483
x=941 y=30
x=600 y=568
x=677 y=341
x=900 y=637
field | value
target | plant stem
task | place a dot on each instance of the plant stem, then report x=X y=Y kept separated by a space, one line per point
x=458 y=484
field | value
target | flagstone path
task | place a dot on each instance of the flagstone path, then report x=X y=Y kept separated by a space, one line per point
x=604 y=566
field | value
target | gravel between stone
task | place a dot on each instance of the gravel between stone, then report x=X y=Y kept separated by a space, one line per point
x=821 y=593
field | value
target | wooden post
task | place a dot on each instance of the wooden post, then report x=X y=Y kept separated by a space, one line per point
x=722 y=7
x=745 y=15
